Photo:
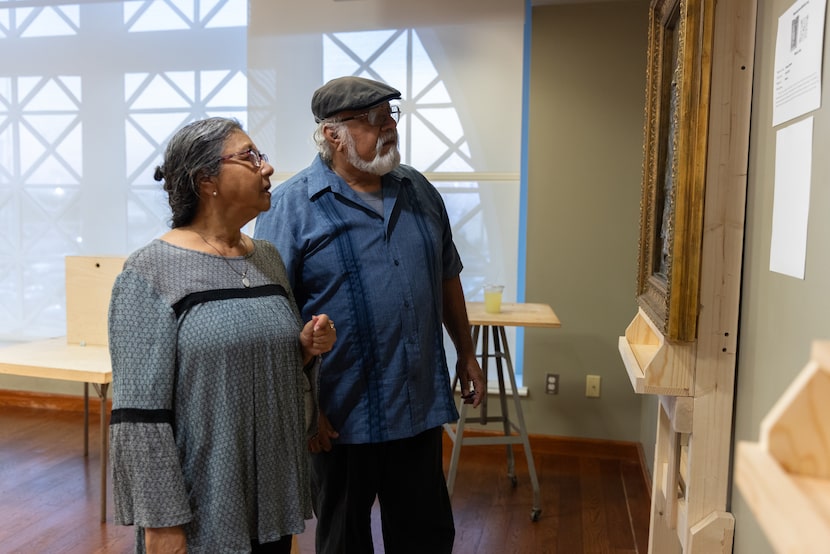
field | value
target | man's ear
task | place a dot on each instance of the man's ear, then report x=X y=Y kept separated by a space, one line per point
x=331 y=134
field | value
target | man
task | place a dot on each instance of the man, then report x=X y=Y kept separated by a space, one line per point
x=368 y=241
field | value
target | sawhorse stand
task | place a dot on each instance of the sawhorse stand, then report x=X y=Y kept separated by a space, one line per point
x=522 y=315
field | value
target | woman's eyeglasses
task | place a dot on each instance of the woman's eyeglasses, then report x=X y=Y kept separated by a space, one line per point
x=254 y=156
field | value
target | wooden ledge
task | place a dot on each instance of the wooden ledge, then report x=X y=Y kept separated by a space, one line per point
x=793 y=511
x=785 y=477
x=654 y=364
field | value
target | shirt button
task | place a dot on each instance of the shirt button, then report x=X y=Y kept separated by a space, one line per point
x=406 y=304
x=397 y=262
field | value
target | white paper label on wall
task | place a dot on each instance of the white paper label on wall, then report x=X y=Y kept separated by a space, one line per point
x=791 y=200
x=798 y=54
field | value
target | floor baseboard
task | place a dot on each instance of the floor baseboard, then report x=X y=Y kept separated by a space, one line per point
x=51 y=401
x=547 y=444
x=568 y=446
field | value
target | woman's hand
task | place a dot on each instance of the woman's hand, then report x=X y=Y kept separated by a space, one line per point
x=165 y=540
x=317 y=337
x=321 y=441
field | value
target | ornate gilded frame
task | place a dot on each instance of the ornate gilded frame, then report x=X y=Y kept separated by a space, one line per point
x=680 y=41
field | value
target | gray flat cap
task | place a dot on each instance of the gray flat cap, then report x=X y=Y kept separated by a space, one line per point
x=349 y=93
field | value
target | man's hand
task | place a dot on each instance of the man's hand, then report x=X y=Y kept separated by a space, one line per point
x=165 y=540
x=469 y=372
x=321 y=440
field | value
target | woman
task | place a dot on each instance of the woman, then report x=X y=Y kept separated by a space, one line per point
x=211 y=363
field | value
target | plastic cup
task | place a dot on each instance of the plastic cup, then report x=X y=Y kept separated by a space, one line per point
x=492 y=298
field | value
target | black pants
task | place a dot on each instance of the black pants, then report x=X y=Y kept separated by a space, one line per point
x=407 y=478
x=282 y=546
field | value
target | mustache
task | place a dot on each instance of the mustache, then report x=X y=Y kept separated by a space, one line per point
x=387 y=136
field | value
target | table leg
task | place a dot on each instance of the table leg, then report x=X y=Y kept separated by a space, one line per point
x=505 y=419
x=102 y=393
x=531 y=467
x=484 y=357
x=457 y=436
x=86 y=419
x=458 y=439
x=476 y=330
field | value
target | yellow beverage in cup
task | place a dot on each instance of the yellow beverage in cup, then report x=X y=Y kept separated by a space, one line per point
x=492 y=298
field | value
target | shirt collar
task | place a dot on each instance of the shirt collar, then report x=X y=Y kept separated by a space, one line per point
x=324 y=178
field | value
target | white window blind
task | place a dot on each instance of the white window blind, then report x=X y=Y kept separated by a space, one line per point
x=459 y=66
x=85 y=113
x=90 y=92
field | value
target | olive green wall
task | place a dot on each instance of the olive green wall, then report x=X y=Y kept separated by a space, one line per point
x=587 y=96
x=780 y=315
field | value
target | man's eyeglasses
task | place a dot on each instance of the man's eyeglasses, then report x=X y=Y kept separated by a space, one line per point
x=376 y=117
x=254 y=156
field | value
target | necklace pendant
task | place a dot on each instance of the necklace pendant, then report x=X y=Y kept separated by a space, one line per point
x=246 y=281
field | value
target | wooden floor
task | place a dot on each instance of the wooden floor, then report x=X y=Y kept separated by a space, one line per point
x=594 y=499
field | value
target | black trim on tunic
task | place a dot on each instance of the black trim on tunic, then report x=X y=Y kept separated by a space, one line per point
x=137 y=415
x=194 y=298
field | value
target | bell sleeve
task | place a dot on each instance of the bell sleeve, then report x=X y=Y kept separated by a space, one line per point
x=148 y=483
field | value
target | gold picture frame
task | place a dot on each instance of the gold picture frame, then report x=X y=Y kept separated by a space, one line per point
x=678 y=80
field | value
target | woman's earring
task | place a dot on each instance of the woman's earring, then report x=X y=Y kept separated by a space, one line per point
x=215 y=193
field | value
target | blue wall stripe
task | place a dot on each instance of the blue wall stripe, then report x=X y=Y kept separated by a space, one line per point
x=518 y=356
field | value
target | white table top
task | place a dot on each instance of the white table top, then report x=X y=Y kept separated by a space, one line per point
x=55 y=359
x=513 y=315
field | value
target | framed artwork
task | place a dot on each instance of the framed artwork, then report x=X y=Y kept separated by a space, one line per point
x=680 y=38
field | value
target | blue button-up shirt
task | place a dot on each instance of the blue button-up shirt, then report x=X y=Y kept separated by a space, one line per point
x=379 y=277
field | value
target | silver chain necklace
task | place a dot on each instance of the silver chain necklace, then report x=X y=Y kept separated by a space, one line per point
x=245 y=281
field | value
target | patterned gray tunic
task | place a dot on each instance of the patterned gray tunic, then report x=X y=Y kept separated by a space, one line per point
x=208 y=421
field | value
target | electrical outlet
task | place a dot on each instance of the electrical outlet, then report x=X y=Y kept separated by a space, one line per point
x=592 y=386
x=552 y=383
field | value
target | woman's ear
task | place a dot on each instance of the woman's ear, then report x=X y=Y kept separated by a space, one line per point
x=207 y=185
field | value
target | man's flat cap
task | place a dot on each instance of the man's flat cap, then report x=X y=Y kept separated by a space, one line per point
x=349 y=93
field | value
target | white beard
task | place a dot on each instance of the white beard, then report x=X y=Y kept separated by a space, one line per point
x=382 y=163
